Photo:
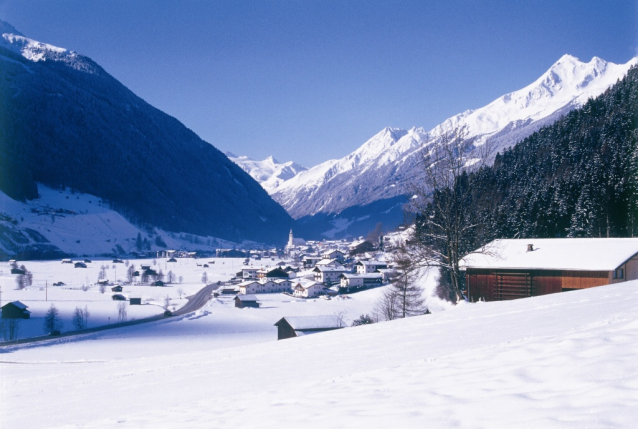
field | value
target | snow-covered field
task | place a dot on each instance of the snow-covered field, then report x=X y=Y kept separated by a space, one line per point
x=81 y=290
x=555 y=361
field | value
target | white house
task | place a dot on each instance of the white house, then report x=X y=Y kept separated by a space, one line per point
x=310 y=261
x=249 y=287
x=264 y=286
x=328 y=274
x=364 y=267
x=334 y=254
x=307 y=289
x=249 y=273
x=282 y=285
x=327 y=263
x=358 y=281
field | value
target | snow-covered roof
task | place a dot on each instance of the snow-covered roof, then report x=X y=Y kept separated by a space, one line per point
x=249 y=297
x=371 y=263
x=247 y=282
x=362 y=276
x=18 y=304
x=307 y=284
x=583 y=254
x=330 y=268
x=325 y=262
x=312 y=322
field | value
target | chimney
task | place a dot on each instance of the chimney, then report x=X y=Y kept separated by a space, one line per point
x=530 y=247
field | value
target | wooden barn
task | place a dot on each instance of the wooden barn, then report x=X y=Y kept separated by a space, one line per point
x=511 y=269
x=243 y=301
x=297 y=326
x=15 y=310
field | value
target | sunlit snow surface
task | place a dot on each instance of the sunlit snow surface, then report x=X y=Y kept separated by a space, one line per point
x=555 y=361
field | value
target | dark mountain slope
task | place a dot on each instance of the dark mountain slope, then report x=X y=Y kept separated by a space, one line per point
x=64 y=121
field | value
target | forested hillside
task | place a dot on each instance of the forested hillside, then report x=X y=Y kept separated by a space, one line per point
x=64 y=121
x=575 y=178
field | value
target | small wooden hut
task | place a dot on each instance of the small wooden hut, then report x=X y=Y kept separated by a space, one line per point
x=243 y=301
x=15 y=310
x=297 y=326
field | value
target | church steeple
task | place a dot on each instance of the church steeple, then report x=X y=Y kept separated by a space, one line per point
x=290 y=239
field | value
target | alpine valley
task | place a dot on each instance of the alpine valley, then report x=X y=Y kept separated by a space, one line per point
x=349 y=196
x=67 y=126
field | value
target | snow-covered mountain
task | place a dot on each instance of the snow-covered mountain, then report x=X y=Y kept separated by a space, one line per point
x=270 y=173
x=383 y=167
x=65 y=122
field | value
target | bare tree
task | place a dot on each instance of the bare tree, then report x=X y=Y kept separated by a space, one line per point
x=167 y=302
x=10 y=329
x=170 y=277
x=181 y=279
x=102 y=274
x=81 y=318
x=121 y=311
x=129 y=272
x=386 y=306
x=180 y=291
x=340 y=318
x=25 y=279
x=408 y=295
x=52 y=320
x=102 y=288
x=446 y=227
x=204 y=277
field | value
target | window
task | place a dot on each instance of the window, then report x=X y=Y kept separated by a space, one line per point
x=619 y=273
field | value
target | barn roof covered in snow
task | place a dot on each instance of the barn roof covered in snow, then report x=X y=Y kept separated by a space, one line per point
x=311 y=322
x=583 y=254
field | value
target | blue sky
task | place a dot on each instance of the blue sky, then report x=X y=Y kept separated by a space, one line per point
x=311 y=80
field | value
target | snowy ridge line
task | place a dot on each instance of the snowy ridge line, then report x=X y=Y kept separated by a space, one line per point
x=384 y=166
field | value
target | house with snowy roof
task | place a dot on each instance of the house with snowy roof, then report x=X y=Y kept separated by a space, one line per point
x=363 y=267
x=354 y=281
x=307 y=289
x=334 y=254
x=298 y=326
x=328 y=274
x=519 y=268
x=15 y=310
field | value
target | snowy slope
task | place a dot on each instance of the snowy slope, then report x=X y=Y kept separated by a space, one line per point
x=383 y=166
x=270 y=173
x=65 y=222
x=556 y=361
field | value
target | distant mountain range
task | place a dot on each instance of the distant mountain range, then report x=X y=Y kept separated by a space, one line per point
x=65 y=122
x=348 y=196
x=270 y=173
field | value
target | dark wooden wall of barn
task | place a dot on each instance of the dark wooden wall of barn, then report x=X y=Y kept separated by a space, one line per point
x=482 y=284
x=284 y=331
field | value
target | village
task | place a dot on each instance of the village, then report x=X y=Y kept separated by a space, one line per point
x=325 y=270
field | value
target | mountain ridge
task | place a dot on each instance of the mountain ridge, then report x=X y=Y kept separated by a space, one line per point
x=384 y=165
x=66 y=122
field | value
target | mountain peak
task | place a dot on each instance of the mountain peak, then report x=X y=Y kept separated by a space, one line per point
x=6 y=28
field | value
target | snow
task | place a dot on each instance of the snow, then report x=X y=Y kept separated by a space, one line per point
x=554 y=361
x=586 y=254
